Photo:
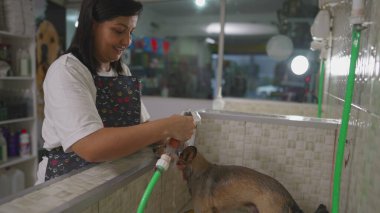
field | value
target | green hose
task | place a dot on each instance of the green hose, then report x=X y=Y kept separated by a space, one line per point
x=356 y=31
x=321 y=83
x=149 y=189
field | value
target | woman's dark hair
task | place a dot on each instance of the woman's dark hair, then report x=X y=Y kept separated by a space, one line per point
x=82 y=45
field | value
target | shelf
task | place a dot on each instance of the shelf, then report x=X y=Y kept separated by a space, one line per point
x=22 y=78
x=11 y=35
x=16 y=160
x=136 y=67
x=18 y=120
x=21 y=84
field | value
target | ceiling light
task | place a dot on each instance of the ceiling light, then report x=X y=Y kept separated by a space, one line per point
x=300 y=65
x=279 y=47
x=210 y=40
x=242 y=29
x=200 y=3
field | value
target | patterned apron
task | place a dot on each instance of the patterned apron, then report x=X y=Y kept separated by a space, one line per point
x=118 y=104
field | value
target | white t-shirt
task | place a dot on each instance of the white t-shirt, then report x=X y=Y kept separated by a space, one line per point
x=70 y=105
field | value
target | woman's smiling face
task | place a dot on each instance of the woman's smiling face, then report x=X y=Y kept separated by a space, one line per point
x=113 y=37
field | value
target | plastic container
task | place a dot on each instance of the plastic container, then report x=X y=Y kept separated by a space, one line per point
x=3 y=148
x=17 y=180
x=4 y=52
x=13 y=144
x=24 y=143
x=17 y=70
x=5 y=184
x=27 y=97
x=24 y=63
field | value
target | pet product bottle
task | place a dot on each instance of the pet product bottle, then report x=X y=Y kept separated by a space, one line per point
x=24 y=143
x=13 y=143
x=17 y=179
x=24 y=63
x=3 y=148
x=5 y=188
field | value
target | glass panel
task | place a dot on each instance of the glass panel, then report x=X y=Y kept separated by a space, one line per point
x=172 y=49
x=175 y=48
x=262 y=39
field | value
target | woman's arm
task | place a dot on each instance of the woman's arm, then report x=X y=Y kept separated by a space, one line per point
x=112 y=143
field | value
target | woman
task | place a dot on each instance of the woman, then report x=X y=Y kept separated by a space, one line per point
x=93 y=111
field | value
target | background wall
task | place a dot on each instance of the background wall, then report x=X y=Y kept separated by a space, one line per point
x=361 y=174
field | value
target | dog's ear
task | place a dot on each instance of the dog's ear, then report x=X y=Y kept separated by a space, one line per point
x=188 y=154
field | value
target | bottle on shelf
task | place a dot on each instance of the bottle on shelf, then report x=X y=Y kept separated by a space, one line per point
x=5 y=188
x=3 y=148
x=4 y=52
x=28 y=99
x=24 y=63
x=17 y=69
x=24 y=143
x=17 y=179
x=13 y=144
x=3 y=110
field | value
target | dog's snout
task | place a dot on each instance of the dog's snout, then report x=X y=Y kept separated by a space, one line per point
x=44 y=53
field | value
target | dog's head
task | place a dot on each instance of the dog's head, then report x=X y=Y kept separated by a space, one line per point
x=186 y=156
x=185 y=160
x=48 y=43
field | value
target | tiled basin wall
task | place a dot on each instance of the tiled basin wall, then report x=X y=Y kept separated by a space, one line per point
x=299 y=154
x=115 y=187
x=270 y=107
x=169 y=195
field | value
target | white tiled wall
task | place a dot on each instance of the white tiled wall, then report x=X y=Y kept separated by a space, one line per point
x=270 y=107
x=170 y=194
x=360 y=188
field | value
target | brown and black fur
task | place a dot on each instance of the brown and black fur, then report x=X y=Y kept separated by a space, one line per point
x=217 y=188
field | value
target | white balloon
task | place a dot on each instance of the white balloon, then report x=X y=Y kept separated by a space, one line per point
x=279 y=47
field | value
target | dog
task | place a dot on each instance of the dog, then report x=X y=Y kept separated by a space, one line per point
x=219 y=188
x=48 y=47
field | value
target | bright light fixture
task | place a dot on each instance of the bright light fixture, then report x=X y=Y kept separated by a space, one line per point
x=76 y=23
x=299 y=65
x=279 y=47
x=231 y=28
x=210 y=40
x=200 y=3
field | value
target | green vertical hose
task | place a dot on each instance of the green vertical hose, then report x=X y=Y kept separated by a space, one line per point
x=356 y=31
x=149 y=189
x=320 y=88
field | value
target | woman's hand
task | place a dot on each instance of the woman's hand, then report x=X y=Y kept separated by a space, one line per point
x=158 y=148
x=182 y=127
